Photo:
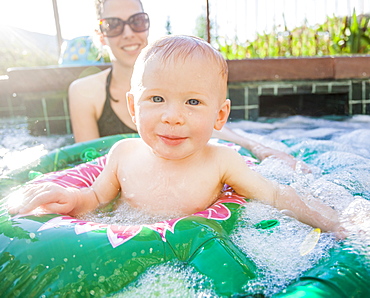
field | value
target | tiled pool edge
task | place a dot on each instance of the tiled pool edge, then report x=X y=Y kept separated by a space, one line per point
x=41 y=92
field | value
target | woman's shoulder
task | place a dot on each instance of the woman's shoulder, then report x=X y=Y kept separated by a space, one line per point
x=91 y=88
x=90 y=82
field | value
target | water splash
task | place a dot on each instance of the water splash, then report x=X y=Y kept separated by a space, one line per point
x=18 y=147
x=173 y=279
x=276 y=251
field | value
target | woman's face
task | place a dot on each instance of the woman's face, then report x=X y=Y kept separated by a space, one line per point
x=128 y=45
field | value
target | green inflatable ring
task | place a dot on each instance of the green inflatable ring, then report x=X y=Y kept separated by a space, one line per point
x=56 y=255
x=60 y=256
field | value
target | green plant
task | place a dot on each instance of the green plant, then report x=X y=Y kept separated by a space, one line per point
x=232 y=49
x=336 y=36
x=354 y=34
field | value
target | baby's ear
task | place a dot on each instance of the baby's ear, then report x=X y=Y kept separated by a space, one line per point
x=131 y=105
x=223 y=115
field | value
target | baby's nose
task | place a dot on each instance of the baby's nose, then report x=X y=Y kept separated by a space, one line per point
x=173 y=115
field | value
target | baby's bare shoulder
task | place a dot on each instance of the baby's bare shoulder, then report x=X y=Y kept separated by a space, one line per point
x=224 y=151
x=127 y=144
x=124 y=150
x=228 y=160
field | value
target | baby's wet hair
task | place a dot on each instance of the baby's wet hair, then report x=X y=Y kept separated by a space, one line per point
x=181 y=47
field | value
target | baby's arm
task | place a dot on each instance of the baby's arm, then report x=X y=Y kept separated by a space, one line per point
x=252 y=185
x=67 y=200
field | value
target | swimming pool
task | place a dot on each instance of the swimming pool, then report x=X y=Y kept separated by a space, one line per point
x=338 y=151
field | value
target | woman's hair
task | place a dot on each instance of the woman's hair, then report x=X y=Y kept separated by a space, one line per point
x=99 y=5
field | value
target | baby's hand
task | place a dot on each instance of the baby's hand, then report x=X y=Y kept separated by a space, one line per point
x=355 y=219
x=340 y=233
x=49 y=196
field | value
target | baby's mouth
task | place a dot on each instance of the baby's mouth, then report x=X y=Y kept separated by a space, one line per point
x=172 y=140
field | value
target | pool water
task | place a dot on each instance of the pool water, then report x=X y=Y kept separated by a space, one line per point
x=337 y=151
x=18 y=147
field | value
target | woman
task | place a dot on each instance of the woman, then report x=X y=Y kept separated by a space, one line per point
x=98 y=102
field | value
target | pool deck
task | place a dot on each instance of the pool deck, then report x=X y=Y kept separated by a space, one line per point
x=253 y=85
x=297 y=69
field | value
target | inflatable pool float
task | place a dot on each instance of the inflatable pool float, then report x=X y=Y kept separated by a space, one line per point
x=54 y=255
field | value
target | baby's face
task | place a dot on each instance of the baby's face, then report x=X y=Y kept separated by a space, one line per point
x=179 y=105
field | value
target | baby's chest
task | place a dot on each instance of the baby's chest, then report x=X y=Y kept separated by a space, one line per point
x=176 y=194
x=193 y=186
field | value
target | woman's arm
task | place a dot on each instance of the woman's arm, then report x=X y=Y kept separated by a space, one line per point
x=258 y=150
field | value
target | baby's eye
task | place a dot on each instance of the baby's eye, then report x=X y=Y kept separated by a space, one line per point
x=157 y=99
x=193 y=102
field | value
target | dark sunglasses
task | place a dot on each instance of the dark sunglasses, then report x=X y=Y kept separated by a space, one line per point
x=111 y=27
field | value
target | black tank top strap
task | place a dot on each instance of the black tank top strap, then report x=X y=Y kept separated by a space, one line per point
x=107 y=86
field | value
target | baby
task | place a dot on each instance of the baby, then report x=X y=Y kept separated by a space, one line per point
x=177 y=97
